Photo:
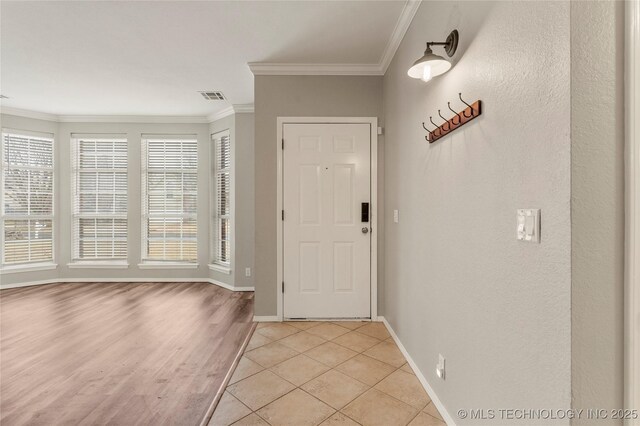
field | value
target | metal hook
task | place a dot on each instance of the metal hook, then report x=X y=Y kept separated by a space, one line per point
x=437 y=127
x=468 y=116
x=428 y=132
x=447 y=121
x=457 y=115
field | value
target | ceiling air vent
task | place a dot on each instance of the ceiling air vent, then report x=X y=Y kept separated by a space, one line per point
x=213 y=96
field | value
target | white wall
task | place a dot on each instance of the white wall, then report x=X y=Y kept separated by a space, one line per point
x=457 y=282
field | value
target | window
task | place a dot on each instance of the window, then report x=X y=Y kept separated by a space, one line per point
x=169 y=195
x=221 y=211
x=27 y=198
x=99 y=198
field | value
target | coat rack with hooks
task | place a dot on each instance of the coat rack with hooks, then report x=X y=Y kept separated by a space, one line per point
x=450 y=124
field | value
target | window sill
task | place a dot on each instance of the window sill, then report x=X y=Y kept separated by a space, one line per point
x=220 y=268
x=32 y=267
x=98 y=265
x=166 y=265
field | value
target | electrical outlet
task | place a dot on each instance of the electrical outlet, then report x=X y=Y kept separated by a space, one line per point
x=440 y=367
x=247 y=272
x=395 y=216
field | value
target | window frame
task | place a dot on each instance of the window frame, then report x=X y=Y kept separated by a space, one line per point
x=76 y=261
x=40 y=264
x=217 y=264
x=146 y=261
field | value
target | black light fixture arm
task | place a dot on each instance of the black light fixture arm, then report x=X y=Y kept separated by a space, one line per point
x=450 y=45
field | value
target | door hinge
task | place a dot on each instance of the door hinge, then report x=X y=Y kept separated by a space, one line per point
x=283 y=286
x=282 y=214
x=282 y=143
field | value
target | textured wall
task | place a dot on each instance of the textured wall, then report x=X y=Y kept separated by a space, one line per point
x=244 y=200
x=296 y=96
x=597 y=204
x=458 y=283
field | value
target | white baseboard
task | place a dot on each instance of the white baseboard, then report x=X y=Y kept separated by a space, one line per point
x=130 y=280
x=228 y=287
x=133 y=280
x=434 y=398
x=28 y=284
x=265 y=318
x=275 y=318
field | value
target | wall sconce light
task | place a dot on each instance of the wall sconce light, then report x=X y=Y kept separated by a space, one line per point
x=431 y=65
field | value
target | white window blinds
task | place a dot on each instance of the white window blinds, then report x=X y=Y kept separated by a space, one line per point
x=170 y=187
x=27 y=198
x=99 y=198
x=222 y=213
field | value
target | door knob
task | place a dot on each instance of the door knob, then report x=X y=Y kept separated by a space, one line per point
x=365 y=230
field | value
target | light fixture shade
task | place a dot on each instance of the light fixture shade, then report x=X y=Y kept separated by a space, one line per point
x=430 y=65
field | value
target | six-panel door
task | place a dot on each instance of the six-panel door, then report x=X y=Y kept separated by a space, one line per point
x=327 y=247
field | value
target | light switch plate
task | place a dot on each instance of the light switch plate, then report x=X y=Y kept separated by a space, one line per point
x=440 y=372
x=528 y=225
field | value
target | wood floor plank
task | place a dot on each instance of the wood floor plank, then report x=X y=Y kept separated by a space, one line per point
x=117 y=353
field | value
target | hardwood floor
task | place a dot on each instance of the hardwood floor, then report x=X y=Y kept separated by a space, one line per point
x=117 y=353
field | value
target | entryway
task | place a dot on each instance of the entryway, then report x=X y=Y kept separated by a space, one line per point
x=327 y=218
x=309 y=373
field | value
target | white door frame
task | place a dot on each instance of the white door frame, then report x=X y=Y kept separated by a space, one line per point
x=373 y=123
x=632 y=197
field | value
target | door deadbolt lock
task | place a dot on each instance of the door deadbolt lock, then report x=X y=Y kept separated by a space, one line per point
x=365 y=230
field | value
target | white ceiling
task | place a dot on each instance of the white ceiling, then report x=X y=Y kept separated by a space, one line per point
x=151 y=57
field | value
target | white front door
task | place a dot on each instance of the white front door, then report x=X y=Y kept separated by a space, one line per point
x=326 y=239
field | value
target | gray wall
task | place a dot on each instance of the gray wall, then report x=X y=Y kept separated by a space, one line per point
x=225 y=123
x=458 y=283
x=244 y=199
x=597 y=204
x=21 y=123
x=241 y=132
x=63 y=203
x=297 y=96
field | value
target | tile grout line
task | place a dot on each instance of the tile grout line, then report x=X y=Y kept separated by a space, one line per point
x=389 y=339
x=323 y=363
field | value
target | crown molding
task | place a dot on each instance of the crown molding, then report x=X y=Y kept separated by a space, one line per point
x=233 y=109
x=166 y=119
x=402 y=25
x=220 y=114
x=149 y=119
x=29 y=114
x=271 y=68
x=177 y=119
x=243 y=108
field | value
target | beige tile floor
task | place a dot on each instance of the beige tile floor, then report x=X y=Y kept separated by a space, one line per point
x=324 y=373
